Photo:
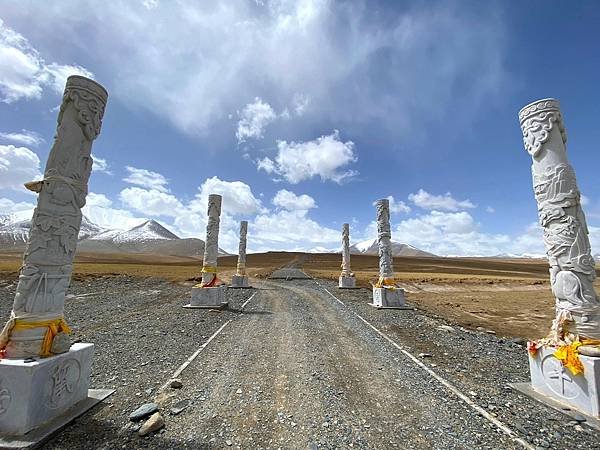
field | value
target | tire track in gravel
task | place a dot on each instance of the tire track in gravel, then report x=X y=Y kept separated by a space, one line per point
x=299 y=371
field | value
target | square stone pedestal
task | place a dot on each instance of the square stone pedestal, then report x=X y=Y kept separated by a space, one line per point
x=388 y=298
x=240 y=281
x=550 y=379
x=38 y=397
x=208 y=298
x=347 y=283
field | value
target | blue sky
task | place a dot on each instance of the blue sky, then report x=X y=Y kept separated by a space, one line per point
x=302 y=113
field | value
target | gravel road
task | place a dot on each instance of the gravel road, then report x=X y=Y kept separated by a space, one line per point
x=297 y=369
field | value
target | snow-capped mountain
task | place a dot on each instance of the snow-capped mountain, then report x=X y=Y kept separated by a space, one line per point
x=148 y=237
x=370 y=247
x=148 y=230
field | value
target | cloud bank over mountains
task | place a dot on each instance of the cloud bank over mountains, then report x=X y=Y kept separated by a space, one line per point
x=303 y=94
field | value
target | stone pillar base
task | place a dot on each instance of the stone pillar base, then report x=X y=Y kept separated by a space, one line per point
x=240 y=281
x=34 y=393
x=388 y=298
x=551 y=379
x=347 y=282
x=208 y=297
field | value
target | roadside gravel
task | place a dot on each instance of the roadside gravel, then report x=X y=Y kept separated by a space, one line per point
x=480 y=364
x=141 y=334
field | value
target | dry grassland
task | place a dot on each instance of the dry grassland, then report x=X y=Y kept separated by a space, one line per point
x=511 y=297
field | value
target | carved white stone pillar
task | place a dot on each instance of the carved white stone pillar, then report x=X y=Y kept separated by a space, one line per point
x=210 y=293
x=346 y=280
x=43 y=379
x=37 y=326
x=240 y=279
x=385 y=293
x=211 y=243
x=572 y=271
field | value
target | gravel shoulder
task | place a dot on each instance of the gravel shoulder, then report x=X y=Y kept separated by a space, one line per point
x=295 y=369
x=141 y=334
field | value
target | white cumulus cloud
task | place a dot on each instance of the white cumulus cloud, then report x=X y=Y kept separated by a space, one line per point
x=24 y=137
x=325 y=157
x=24 y=73
x=99 y=209
x=151 y=202
x=288 y=200
x=289 y=230
x=341 y=55
x=146 y=178
x=8 y=206
x=254 y=117
x=238 y=198
x=100 y=165
x=398 y=206
x=18 y=165
x=446 y=202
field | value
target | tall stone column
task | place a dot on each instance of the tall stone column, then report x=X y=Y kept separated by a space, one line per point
x=37 y=326
x=240 y=279
x=210 y=292
x=575 y=331
x=42 y=377
x=347 y=279
x=385 y=292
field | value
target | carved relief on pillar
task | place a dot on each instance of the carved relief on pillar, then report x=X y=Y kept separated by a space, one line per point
x=211 y=244
x=537 y=121
x=572 y=269
x=384 y=234
x=241 y=264
x=46 y=272
x=346 y=270
x=5 y=398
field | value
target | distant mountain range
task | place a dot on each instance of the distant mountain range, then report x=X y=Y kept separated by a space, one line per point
x=370 y=247
x=148 y=237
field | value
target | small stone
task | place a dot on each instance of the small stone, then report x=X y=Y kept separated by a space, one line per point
x=579 y=418
x=179 y=407
x=425 y=355
x=229 y=443
x=446 y=328
x=238 y=392
x=154 y=423
x=61 y=343
x=143 y=411
x=578 y=427
x=176 y=384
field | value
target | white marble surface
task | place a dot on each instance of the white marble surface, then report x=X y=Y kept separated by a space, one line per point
x=388 y=298
x=208 y=296
x=48 y=258
x=550 y=378
x=241 y=264
x=572 y=271
x=211 y=243
x=346 y=282
x=240 y=281
x=33 y=393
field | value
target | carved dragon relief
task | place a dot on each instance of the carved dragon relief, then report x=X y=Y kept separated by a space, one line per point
x=384 y=235
x=572 y=268
x=52 y=242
